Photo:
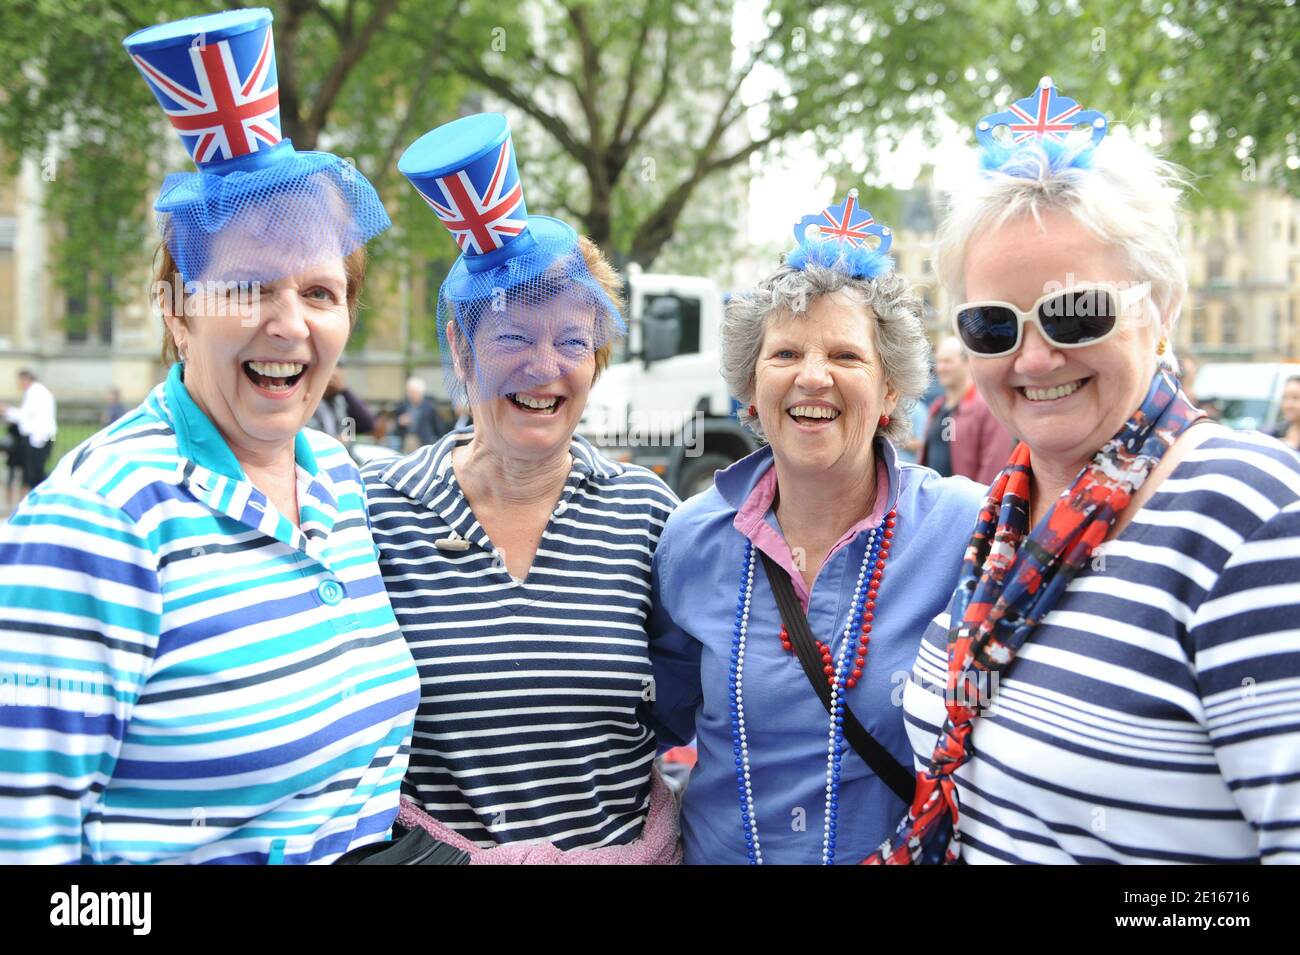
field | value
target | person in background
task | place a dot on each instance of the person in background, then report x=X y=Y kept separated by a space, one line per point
x=418 y=420
x=13 y=472
x=961 y=435
x=36 y=418
x=114 y=409
x=341 y=414
x=1289 y=430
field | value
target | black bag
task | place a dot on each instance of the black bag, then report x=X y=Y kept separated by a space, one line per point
x=407 y=847
x=899 y=779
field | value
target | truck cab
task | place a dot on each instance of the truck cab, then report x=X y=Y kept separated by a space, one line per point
x=661 y=402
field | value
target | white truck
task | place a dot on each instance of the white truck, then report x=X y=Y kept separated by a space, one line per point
x=661 y=402
x=1248 y=395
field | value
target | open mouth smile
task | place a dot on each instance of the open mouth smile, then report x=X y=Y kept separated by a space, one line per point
x=1055 y=393
x=813 y=415
x=275 y=378
x=534 y=405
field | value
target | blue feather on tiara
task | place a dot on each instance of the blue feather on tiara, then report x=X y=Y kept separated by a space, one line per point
x=843 y=231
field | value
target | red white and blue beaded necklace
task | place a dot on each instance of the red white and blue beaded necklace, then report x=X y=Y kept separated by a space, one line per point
x=842 y=674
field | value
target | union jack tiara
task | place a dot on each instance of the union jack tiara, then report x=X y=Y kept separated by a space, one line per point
x=842 y=241
x=848 y=223
x=1046 y=116
x=216 y=80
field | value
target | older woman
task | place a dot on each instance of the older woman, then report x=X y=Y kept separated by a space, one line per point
x=517 y=557
x=206 y=666
x=1121 y=652
x=828 y=353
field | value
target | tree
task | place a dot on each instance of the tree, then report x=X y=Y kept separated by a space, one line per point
x=630 y=113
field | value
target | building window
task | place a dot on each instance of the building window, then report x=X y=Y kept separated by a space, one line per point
x=1229 y=327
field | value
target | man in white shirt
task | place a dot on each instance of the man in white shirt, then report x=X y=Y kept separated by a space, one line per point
x=35 y=418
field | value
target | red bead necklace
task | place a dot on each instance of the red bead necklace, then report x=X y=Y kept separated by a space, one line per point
x=868 y=611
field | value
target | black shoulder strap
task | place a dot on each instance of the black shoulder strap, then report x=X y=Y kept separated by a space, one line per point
x=890 y=770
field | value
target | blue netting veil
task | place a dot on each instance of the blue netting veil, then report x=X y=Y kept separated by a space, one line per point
x=268 y=221
x=525 y=323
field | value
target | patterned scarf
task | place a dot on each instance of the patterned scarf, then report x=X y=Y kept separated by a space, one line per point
x=1009 y=583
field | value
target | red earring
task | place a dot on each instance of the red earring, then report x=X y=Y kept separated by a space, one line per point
x=753 y=411
x=884 y=421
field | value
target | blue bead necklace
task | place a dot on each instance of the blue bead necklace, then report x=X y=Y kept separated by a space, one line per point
x=839 y=676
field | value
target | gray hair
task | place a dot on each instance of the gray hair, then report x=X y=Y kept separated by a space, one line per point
x=789 y=292
x=1123 y=193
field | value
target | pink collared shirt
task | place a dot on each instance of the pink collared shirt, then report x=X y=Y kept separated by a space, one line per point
x=751 y=521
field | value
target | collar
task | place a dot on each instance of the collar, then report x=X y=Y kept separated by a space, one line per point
x=211 y=472
x=424 y=474
x=198 y=439
x=737 y=483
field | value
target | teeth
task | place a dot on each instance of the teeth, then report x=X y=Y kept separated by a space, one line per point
x=277 y=369
x=814 y=411
x=541 y=404
x=1049 y=394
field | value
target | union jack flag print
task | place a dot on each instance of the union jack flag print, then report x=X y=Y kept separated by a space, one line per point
x=482 y=205
x=845 y=222
x=1046 y=114
x=224 y=100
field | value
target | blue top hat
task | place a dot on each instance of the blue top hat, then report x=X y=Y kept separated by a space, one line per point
x=215 y=78
x=841 y=241
x=467 y=172
x=514 y=269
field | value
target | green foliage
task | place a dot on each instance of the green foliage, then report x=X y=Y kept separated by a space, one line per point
x=633 y=113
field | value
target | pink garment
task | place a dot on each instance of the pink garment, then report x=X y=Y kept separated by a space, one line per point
x=658 y=844
x=980 y=445
x=750 y=522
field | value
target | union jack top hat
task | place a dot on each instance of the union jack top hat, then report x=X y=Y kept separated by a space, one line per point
x=517 y=272
x=215 y=78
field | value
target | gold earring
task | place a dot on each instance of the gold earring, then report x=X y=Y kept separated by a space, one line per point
x=1162 y=347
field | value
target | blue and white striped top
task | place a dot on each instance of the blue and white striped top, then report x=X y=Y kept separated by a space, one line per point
x=531 y=723
x=1154 y=715
x=184 y=675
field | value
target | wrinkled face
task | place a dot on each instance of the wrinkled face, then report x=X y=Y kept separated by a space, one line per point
x=259 y=357
x=820 y=388
x=950 y=365
x=1064 y=403
x=531 y=373
x=1291 y=402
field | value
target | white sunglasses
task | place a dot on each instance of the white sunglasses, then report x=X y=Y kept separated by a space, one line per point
x=1070 y=318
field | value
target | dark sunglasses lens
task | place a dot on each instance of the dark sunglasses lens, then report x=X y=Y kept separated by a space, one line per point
x=1078 y=317
x=988 y=329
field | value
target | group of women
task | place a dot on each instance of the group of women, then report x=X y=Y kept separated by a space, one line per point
x=220 y=642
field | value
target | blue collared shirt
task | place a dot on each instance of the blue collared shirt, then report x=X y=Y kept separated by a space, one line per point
x=697 y=577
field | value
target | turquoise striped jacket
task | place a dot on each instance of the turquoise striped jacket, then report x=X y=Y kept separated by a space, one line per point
x=185 y=676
